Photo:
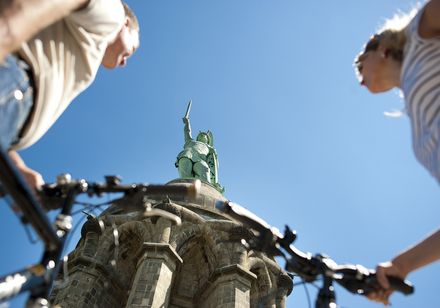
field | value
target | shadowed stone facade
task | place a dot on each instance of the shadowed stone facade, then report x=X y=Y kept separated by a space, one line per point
x=136 y=261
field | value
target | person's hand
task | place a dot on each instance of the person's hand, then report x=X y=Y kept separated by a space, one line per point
x=32 y=177
x=383 y=270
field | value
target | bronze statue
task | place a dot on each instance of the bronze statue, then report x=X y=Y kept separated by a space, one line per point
x=198 y=158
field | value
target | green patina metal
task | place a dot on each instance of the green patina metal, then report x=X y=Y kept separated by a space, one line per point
x=198 y=158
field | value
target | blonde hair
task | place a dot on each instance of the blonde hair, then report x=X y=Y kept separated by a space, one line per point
x=391 y=35
x=130 y=14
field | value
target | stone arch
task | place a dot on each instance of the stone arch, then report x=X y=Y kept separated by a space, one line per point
x=261 y=287
x=225 y=237
x=131 y=237
x=272 y=284
x=204 y=248
x=196 y=249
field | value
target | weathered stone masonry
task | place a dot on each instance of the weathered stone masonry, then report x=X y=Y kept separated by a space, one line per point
x=200 y=263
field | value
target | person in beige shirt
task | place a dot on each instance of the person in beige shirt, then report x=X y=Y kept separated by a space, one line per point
x=54 y=50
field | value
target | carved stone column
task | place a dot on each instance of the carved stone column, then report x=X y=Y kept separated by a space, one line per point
x=230 y=287
x=152 y=283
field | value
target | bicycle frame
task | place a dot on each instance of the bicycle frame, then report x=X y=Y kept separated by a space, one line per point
x=38 y=278
x=16 y=186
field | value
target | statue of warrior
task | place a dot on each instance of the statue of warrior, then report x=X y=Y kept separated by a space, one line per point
x=198 y=158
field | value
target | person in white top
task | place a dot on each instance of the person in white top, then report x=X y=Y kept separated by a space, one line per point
x=50 y=52
x=405 y=54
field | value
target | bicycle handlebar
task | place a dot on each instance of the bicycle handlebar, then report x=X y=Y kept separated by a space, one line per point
x=64 y=184
x=354 y=278
x=270 y=240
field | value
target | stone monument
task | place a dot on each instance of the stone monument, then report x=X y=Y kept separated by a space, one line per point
x=127 y=259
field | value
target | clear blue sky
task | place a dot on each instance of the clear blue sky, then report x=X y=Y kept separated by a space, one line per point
x=299 y=141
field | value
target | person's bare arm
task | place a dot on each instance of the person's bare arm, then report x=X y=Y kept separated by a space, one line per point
x=32 y=177
x=21 y=19
x=430 y=21
x=421 y=254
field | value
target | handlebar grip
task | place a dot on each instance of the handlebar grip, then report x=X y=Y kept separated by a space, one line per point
x=403 y=286
x=359 y=280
